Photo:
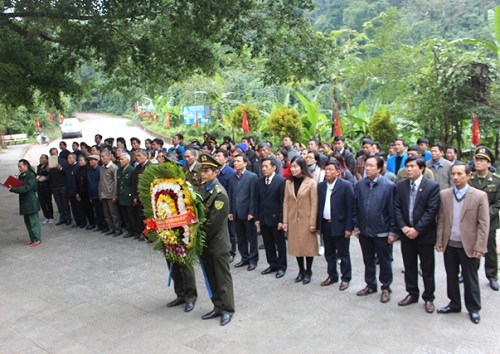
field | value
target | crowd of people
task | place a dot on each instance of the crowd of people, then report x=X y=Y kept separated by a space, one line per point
x=304 y=201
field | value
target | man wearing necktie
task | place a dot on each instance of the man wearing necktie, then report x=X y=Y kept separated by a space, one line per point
x=463 y=225
x=269 y=209
x=416 y=205
x=489 y=182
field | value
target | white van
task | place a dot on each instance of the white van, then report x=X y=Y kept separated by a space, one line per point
x=71 y=128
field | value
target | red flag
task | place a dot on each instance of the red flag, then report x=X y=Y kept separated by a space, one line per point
x=51 y=117
x=61 y=118
x=37 y=124
x=338 y=126
x=136 y=106
x=475 y=130
x=167 y=119
x=140 y=113
x=196 y=120
x=244 y=123
x=154 y=117
x=148 y=115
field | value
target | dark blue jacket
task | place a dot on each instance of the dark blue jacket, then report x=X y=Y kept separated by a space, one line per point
x=374 y=208
x=242 y=195
x=341 y=207
x=93 y=179
x=224 y=174
x=270 y=200
x=71 y=179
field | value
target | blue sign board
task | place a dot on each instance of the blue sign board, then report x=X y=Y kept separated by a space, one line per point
x=191 y=112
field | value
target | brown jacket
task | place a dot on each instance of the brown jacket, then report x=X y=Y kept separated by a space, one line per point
x=300 y=212
x=474 y=221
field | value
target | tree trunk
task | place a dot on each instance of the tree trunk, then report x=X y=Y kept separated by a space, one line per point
x=335 y=107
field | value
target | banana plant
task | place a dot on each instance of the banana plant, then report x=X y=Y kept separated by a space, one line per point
x=494 y=24
x=316 y=124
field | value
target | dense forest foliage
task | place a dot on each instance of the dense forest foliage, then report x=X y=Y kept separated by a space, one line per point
x=393 y=60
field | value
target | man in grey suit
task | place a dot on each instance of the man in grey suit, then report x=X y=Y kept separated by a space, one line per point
x=242 y=211
x=440 y=167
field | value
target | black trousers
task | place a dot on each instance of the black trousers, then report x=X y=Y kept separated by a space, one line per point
x=232 y=237
x=129 y=217
x=77 y=211
x=86 y=207
x=336 y=247
x=99 y=214
x=412 y=251
x=275 y=245
x=61 y=198
x=139 y=209
x=491 y=258
x=45 y=200
x=246 y=233
x=454 y=259
x=369 y=247
x=184 y=282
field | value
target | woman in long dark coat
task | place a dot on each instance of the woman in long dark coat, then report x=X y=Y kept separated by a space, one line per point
x=28 y=202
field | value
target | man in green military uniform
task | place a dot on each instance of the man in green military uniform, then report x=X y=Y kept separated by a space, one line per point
x=192 y=167
x=216 y=253
x=489 y=182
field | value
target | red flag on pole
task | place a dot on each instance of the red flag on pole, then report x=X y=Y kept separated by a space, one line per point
x=37 y=124
x=244 y=123
x=196 y=120
x=338 y=126
x=61 y=118
x=51 y=117
x=136 y=106
x=148 y=115
x=167 y=119
x=154 y=117
x=140 y=113
x=475 y=130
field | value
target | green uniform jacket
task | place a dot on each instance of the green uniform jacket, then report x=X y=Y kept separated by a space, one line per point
x=216 y=205
x=193 y=177
x=490 y=185
x=125 y=185
x=28 y=201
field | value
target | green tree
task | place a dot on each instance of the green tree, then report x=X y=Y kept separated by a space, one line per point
x=382 y=129
x=253 y=117
x=285 y=121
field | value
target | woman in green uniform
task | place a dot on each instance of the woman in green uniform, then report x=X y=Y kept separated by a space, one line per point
x=28 y=201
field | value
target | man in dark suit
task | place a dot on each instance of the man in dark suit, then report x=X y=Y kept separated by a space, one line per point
x=215 y=255
x=339 y=144
x=225 y=173
x=463 y=225
x=141 y=156
x=416 y=205
x=270 y=193
x=242 y=211
x=335 y=208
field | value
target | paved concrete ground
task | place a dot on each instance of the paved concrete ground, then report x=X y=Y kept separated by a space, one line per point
x=79 y=292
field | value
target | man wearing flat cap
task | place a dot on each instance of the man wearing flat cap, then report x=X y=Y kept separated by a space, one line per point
x=483 y=179
x=215 y=256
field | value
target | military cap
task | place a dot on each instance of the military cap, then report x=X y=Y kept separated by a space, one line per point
x=484 y=153
x=207 y=161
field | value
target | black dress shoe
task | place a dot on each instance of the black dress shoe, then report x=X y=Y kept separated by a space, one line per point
x=268 y=270
x=474 y=317
x=176 y=302
x=241 y=264
x=110 y=232
x=493 y=284
x=299 y=277
x=251 y=266
x=74 y=226
x=136 y=237
x=60 y=223
x=280 y=273
x=68 y=223
x=103 y=231
x=210 y=315
x=97 y=229
x=130 y=234
x=90 y=227
x=118 y=233
x=448 y=309
x=225 y=319
x=82 y=226
x=307 y=278
x=189 y=306
x=141 y=238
